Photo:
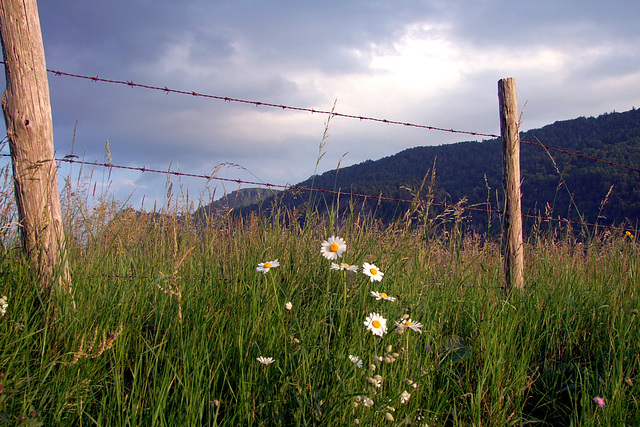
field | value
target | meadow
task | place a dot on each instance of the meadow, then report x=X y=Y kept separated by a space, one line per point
x=180 y=323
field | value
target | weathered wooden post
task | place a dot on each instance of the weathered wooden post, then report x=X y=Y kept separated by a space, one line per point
x=512 y=247
x=27 y=113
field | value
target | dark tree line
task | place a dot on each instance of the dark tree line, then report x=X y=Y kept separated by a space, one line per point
x=553 y=183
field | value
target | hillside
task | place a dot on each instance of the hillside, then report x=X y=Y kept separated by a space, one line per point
x=241 y=198
x=461 y=169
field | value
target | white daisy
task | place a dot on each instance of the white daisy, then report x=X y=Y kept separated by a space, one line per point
x=264 y=267
x=333 y=247
x=381 y=295
x=372 y=271
x=265 y=360
x=414 y=326
x=3 y=305
x=376 y=324
x=344 y=266
x=404 y=397
x=288 y=306
x=356 y=361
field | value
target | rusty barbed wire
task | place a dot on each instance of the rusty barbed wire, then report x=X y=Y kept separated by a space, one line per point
x=165 y=89
x=132 y=277
x=295 y=188
x=284 y=187
x=339 y=193
x=584 y=156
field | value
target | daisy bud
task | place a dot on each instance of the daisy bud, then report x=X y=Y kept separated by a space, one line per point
x=388 y=417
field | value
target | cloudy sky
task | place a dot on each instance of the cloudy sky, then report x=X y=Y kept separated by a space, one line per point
x=431 y=62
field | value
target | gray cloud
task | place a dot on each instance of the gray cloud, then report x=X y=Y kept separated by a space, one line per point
x=427 y=62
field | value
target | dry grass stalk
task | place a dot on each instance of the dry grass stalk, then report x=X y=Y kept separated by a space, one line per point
x=89 y=349
x=174 y=289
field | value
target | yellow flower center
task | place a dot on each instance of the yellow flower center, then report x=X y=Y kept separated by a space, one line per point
x=333 y=247
x=376 y=324
x=267 y=265
x=409 y=323
x=373 y=271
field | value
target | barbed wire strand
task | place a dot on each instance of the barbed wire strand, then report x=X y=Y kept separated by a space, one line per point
x=340 y=193
x=295 y=188
x=584 y=156
x=224 y=279
x=165 y=89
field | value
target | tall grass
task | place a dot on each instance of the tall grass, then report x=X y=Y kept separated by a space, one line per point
x=172 y=315
x=126 y=357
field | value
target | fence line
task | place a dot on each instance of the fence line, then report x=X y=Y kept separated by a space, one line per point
x=71 y=158
x=584 y=156
x=268 y=104
x=165 y=89
x=378 y=198
x=208 y=277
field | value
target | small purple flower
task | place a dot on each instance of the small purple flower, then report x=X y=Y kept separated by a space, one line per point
x=428 y=348
x=600 y=401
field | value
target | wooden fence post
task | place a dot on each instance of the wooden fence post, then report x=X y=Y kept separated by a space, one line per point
x=512 y=247
x=27 y=113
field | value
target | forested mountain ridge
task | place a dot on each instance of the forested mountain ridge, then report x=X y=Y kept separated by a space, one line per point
x=552 y=182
